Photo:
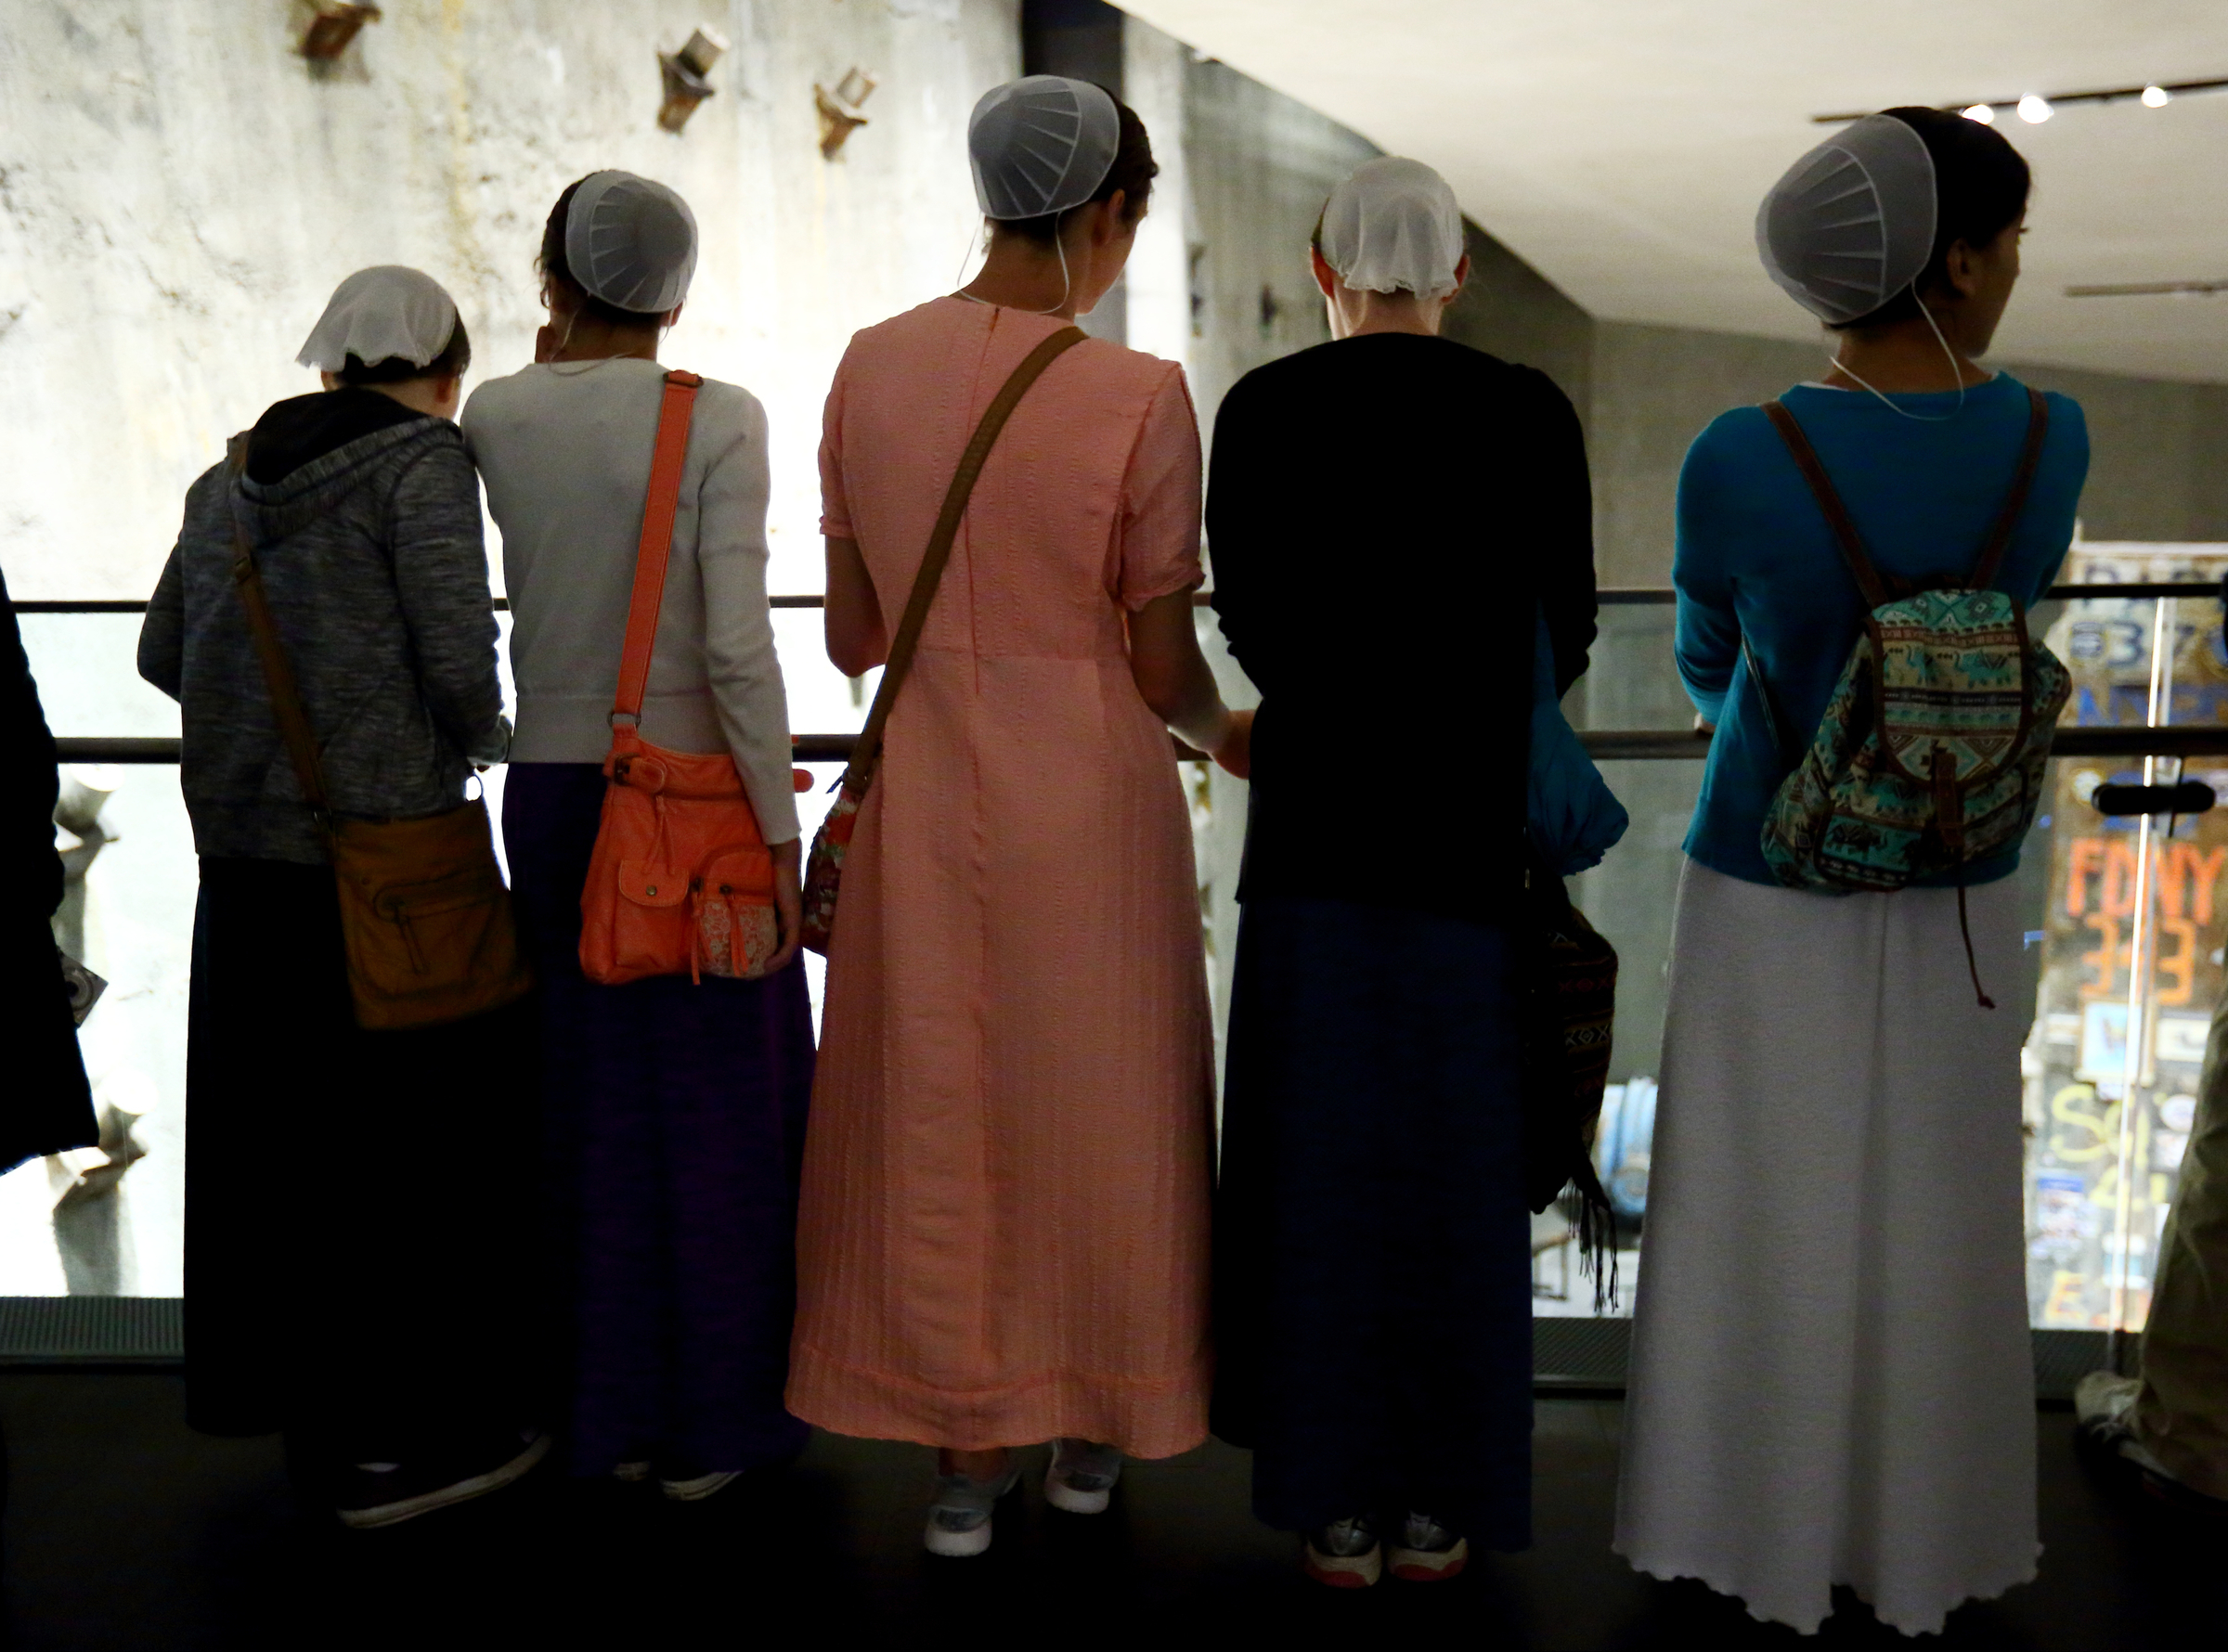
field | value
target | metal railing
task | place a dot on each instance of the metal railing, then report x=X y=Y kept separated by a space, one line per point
x=1614 y=596
x=1604 y=744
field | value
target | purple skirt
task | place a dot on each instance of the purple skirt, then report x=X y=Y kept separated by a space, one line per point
x=674 y=1126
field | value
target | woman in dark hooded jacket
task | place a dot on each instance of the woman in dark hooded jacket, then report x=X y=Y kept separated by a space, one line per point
x=348 y=1218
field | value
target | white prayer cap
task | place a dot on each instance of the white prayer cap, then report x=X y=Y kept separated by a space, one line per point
x=631 y=241
x=1393 y=224
x=1852 y=222
x=379 y=314
x=1041 y=144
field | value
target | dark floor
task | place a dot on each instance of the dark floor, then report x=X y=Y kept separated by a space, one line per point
x=123 y=1530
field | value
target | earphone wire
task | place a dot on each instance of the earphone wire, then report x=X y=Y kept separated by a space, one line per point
x=1067 y=280
x=1955 y=366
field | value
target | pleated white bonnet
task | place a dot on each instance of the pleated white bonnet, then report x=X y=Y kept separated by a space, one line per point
x=1851 y=223
x=379 y=314
x=1394 y=225
x=1041 y=144
x=631 y=241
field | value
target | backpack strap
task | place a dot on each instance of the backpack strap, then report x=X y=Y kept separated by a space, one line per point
x=2030 y=455
x=659 y=507
x=1837 y=514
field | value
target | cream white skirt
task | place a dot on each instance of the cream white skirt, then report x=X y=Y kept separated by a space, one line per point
x=1832 y=1378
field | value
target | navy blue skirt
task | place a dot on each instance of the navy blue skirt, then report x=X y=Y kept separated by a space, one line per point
x=675 y=1130
x=1372 y=1272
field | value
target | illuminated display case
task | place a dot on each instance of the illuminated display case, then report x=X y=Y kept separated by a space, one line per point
x=2131 y=938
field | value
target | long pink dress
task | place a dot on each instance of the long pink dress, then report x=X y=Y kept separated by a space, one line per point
x=1004 y=1229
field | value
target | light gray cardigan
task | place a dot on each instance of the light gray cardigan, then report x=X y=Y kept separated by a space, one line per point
x=565 y=449
x=377 y=575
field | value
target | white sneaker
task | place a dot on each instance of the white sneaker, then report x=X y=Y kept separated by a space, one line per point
x=379 y=1494
x=959 y=1518
x=1081 y=1477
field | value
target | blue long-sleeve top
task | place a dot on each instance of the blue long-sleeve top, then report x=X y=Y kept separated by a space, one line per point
x=1756 y=555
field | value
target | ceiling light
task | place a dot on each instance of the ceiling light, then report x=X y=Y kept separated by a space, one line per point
x=2037 y=106
x=2148 y=289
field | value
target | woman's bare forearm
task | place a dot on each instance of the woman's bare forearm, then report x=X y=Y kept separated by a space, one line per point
x=857 y=639
x=1172 y=676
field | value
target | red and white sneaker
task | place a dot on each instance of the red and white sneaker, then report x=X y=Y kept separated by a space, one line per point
x=1427 y=1553
x=1344 y=1555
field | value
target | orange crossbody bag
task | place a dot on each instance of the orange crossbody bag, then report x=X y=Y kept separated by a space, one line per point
x=680 y=882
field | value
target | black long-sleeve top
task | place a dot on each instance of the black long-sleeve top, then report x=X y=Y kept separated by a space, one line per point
x=45 y=1105
x=1383 y=514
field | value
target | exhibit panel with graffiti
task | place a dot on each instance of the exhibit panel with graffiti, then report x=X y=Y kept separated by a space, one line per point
x=2131 y=937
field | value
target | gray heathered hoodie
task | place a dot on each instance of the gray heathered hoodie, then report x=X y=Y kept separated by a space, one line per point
x=378 y=579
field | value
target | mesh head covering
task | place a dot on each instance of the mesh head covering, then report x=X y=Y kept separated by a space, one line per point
x=1852 y=222
x=1394 y=225
x=1041 y=144
x=379 y=314
x=631 y=241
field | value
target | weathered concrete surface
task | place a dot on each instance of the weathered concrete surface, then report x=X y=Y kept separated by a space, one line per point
x=179 y=192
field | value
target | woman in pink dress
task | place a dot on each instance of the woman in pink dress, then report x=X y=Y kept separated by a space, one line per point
x=1004 y=1232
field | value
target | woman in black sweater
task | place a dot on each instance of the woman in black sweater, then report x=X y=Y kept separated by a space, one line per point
x=1387 y=514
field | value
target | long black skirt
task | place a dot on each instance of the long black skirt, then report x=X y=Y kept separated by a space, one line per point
x=674 y=1118
x=360 y=1227
x=1372 y=1278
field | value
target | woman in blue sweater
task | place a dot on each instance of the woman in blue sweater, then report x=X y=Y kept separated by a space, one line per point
x=1832 y=1381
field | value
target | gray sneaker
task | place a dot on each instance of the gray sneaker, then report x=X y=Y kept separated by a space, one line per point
x=2104 y=1409
x=959 y=1517
x=1081 y=1477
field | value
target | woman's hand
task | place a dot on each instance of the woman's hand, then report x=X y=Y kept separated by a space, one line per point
x=1236 y=752
x=789 y=900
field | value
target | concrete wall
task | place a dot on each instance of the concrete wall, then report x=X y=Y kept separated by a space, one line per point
x=1510 y=310
x=179 y=192
x=2158 y=467
x=2159 y=464
x=1260 y=167
x=1256 y=169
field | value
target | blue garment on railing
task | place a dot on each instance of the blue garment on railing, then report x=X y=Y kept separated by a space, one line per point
x=1755 y=554
x=1574 y=818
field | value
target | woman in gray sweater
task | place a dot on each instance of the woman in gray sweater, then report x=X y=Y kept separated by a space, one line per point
x=349 y=1285
x=673 y=1109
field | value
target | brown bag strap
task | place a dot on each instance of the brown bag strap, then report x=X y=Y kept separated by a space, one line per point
x=278 y=671
x=660 y=506
x=2031 y=456
x=1829 y=500
x=868 y=753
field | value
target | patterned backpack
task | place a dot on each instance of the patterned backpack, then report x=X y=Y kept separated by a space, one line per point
x=1933 y=749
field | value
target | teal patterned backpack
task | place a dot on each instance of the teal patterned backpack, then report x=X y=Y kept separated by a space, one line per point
x=1933 y=746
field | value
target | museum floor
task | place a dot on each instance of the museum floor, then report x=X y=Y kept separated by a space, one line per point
x=125 y=1530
